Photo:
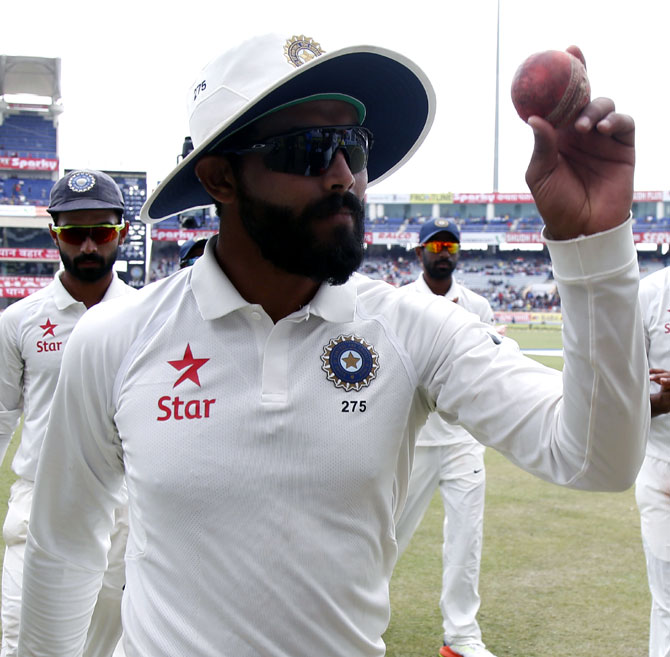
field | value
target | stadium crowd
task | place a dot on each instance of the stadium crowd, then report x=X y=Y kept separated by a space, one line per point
x=510 y=281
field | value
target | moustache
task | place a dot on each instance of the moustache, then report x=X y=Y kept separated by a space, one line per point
x=89 y=257
x=333 y=204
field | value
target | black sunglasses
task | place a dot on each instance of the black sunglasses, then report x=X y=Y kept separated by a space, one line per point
x=309 y=152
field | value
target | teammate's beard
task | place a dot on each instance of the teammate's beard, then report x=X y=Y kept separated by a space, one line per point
x=441 y=272
x=88 y=274
x=289 y=242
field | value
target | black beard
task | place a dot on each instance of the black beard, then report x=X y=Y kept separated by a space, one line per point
x=288 y=241
x=437 y=274
x=88 y=274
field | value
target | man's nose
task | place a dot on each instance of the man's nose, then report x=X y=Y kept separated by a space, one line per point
x=89 y=245
x=338 y=175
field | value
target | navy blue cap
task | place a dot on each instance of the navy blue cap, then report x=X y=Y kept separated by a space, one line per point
x=187 y=248
x=439 y=225
x=85 y=190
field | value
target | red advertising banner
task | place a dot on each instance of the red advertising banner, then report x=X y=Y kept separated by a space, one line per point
x=378 y=237
x=28 y=163
x=179 y=234
x=521 y=317
x=51 y=255
x=652 y=237
x=645 y=197
x=17 y=287
x=494 y=197
x=486 y=197
x=524 y=238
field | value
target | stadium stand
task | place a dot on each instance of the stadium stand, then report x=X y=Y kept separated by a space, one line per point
x=27 y=134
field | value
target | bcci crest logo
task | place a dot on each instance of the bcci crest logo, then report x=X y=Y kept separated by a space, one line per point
x=81 y=181
x=349 y=362
x=301 y=49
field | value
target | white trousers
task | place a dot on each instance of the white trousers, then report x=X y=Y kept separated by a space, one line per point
x=103 y=639
x=459 y=472
x=652 y=492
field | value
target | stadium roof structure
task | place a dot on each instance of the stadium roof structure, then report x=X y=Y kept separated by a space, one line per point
x=30 y=75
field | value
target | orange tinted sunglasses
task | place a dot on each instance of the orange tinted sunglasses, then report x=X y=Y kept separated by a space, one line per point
x=438 y=247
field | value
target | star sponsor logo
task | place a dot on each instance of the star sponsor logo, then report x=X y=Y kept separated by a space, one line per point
x=46 y=345
x=48 y=328
x=178 y=408
x=190 y=366
x=350 y=362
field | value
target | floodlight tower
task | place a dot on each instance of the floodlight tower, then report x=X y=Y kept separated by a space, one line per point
x=495 y=139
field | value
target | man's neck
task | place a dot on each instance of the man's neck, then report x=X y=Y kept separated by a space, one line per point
x=88 y=293
x=256 y=279
x=438 y=286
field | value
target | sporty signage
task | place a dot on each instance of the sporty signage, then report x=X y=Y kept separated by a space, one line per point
x=179 y=234
x=28 y=163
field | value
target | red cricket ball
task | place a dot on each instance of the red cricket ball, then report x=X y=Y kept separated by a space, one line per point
x=553 y=85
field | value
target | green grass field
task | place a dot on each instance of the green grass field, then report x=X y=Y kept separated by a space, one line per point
x=562 y=571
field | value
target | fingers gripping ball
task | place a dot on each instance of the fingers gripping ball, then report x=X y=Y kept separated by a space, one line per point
x=553 y=85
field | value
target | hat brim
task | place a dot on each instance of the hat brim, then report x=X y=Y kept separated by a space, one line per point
x=84 y=204
x=398 y=98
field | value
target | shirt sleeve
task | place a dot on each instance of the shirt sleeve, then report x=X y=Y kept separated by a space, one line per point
x=649 y=300
x=11 y=379
x=487 y=313
x=585 y=428
x=78 y=485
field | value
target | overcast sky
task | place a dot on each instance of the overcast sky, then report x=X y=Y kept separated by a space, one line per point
x=126 y=67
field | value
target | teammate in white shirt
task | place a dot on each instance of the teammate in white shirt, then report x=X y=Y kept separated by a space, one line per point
x=263 y=403
x=652 y=488
x=88 y=226
x=449 y=458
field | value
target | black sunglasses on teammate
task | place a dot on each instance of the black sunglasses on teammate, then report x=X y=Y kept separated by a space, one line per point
x=309 y=152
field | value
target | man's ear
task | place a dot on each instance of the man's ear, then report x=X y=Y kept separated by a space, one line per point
x=217 y=177
x=54 y=236
x=124 y=232
x=418 y=250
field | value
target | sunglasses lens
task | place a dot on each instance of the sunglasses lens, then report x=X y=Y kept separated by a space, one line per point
x=78 y=234
x=438 y=247
x=357 y=158
x=73 y=235
x=311 y=152
x=103 y=234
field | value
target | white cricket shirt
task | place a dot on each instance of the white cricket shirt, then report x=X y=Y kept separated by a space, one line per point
x=655 y=303
x=436 y=431
x=33 y=334
x=266 y=462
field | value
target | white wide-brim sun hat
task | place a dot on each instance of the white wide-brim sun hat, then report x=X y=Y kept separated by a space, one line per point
x=268 y=72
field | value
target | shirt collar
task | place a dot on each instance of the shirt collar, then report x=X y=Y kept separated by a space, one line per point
x=451 y=294
x=63 y=299
x=216 y=296
x=335 y=303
